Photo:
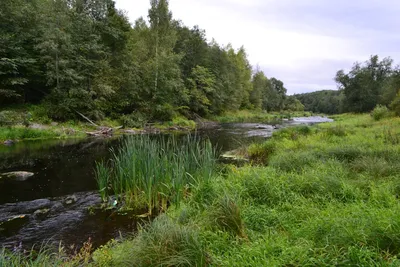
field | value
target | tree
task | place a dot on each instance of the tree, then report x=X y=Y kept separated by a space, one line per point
x=19 y=72
x=260 y=85
x=363 y=85
x=163 y=74
x=202 y=90
x=293 y=104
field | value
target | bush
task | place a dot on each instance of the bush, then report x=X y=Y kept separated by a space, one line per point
x=380 y=112
x=8 y=118
x=292 y=133
x=134 y=120
x=395 y=105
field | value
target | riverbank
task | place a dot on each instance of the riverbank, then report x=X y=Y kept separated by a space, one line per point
x=321 y=195
x=31 y=123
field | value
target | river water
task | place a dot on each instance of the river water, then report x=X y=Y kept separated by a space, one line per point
x=63 y=185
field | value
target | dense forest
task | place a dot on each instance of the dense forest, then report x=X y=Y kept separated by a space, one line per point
x=366 y=85
x=84 y=56
x=325 y=101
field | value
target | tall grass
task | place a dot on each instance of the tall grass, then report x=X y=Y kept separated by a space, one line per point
x=226 y=215
x=156 y=171
x=163 y=243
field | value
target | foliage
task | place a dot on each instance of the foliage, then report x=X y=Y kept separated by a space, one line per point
x=86 y=57
x=363 y=85
x=260 y=153
x=395 y=105
x=380 y=112
x=324 y=101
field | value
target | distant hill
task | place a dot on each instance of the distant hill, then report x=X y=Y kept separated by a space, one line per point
x=325 y=101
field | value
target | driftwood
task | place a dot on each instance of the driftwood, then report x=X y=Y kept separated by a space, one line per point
x=103 y=131
x=86 y=118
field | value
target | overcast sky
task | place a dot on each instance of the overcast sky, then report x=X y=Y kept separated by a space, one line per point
x=301 y=42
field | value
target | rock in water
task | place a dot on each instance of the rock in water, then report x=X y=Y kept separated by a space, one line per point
x=17 y=176
x=8 y=142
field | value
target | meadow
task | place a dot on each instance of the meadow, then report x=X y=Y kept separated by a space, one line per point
x=325 y=195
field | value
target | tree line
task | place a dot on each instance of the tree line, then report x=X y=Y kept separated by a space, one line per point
x=84 y=56
x=367 y=85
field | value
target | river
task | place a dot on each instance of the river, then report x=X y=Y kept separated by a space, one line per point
x=53 y=205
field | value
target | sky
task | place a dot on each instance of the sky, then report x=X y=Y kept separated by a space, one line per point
x=301 y=42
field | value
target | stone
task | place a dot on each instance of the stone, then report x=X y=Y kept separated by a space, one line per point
x=8 y=142
x=17 y=175
x=70 y=200
x=42 y=213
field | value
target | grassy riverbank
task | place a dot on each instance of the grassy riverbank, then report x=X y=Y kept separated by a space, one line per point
x=325 y=195
x=28 y=122
x=329 y=196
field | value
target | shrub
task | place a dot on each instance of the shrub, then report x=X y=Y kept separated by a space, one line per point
x=134 y=120
x=183 y=122
x=8 y=118
x=395 y=105
x=380 y=112
x=292 y=133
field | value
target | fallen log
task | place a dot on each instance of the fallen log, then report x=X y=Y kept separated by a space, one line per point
x=104 y=131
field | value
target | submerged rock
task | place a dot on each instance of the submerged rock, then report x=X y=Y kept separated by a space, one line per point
x=233 y=157
x=9 y=142
x=17 y=176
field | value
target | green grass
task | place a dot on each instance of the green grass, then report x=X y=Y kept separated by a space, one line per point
x=46 y=256
x=163 y=243
x=20 y=133
x=326 y=195
x=156 y=172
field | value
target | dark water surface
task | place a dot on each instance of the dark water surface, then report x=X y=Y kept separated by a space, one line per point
x=66 y=167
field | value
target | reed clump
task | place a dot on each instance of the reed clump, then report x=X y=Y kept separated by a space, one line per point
x=156 y=171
